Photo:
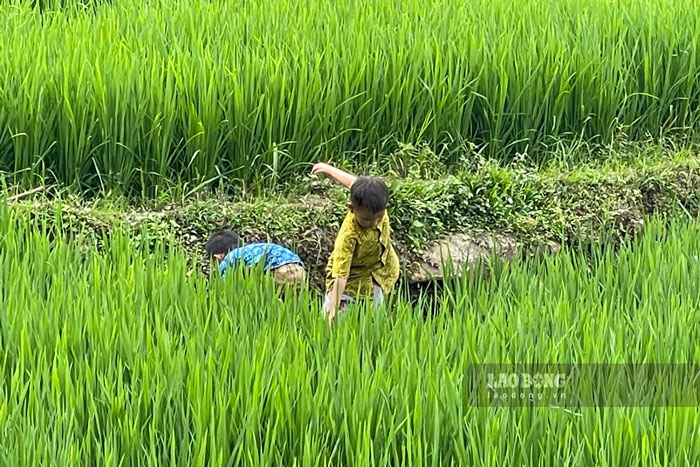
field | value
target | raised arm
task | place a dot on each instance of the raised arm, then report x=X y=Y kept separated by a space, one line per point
x=345 y=178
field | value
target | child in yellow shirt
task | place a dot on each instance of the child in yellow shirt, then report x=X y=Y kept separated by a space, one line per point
x=364 y=262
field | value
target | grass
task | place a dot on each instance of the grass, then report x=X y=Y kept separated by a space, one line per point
x=115 y=356
x=560 y=203
x=133 y=95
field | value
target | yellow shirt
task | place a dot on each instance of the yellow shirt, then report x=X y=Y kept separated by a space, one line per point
x=362 y=255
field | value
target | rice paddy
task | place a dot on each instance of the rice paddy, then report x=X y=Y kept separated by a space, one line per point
x=116 y=356
x=119 y=351
x=135 y=94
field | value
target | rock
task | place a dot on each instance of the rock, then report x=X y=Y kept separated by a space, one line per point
x=544 y=247
x=460 y=249
x=628 y=220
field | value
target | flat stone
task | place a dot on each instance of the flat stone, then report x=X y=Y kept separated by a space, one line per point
x=460 y=250
x=628 y=220
x=545 y=247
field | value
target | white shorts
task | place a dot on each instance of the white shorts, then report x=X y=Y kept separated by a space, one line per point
x=345 y=300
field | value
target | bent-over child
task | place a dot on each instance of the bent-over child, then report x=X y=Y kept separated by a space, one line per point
x=282 y=264
x=364 y=263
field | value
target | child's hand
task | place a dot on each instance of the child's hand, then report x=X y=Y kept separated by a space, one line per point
x=346 y=179
x=320 y=168
x=331 y=315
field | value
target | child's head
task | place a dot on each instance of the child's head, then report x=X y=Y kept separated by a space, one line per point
x=368 y=199
x=221 y=243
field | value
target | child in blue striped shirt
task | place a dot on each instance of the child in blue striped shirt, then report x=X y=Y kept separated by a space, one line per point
x=283 y=265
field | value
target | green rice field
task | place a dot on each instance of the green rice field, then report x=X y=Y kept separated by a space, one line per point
x=116 y=356
x=549 y=122
x=130 y=94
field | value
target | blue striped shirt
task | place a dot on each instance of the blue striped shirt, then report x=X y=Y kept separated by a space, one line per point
x=274 y=256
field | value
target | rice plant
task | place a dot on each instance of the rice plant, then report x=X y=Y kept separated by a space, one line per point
x=111 y=354
x=133 y=94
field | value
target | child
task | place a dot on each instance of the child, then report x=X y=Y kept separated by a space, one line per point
x=363 y=262
x=228 y=249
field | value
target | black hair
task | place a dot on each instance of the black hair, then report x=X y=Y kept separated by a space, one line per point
x=369 y=193
x=222 y=242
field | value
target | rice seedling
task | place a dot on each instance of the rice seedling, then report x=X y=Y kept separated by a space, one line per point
x=115 y=356
x=134 y=95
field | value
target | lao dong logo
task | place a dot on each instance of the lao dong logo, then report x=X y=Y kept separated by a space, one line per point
x=526 y=380
x=518 y=388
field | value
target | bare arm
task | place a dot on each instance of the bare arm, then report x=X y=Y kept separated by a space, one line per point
x=336 y=292
x=343 y=177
